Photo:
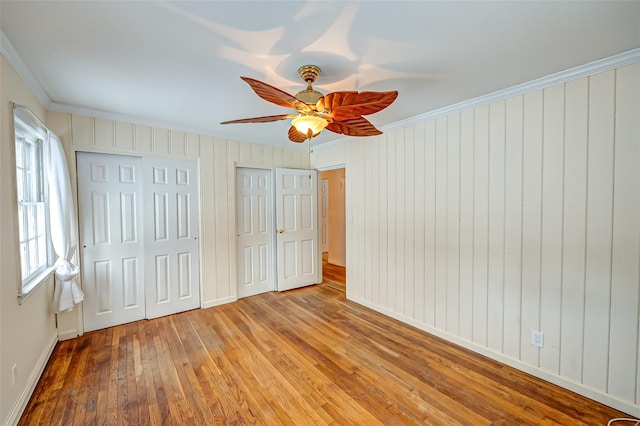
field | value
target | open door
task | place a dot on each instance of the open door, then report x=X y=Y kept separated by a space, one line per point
x=298 y=242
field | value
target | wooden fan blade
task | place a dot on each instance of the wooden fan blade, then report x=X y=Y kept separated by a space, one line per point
x=354 y=104
x=274 y=95
x=296 y=136
x=265 y=119
x=356 y=126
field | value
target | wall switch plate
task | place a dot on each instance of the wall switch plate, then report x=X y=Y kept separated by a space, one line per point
x=537 y=338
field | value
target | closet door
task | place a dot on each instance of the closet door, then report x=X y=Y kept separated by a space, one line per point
x=110 y=211
x=139 y=235
x=171 y=250
x=254 y=194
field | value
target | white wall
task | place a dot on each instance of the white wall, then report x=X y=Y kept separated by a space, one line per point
x=523 y=214
x=217 y=161
x=27 y=331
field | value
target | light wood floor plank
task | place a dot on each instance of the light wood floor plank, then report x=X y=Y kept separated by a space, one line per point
x=306 y=356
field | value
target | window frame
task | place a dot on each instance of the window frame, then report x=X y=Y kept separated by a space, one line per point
x=29 y=130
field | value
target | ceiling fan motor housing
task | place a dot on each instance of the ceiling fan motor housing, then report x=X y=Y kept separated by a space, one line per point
x=309 y=73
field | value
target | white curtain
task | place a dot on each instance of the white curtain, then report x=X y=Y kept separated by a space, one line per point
x=63 y=225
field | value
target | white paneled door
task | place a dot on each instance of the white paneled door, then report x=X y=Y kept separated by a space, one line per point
x=255 y=231
x=110 y=207
x=298 y=247
x=138 y=230
x=171 y=246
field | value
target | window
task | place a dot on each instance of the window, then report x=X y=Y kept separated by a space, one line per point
x=33 y=218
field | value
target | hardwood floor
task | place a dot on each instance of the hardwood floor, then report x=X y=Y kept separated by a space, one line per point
x=307 y=356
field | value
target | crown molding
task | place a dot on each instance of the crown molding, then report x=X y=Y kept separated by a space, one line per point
x=591 y=68
x=11 y=55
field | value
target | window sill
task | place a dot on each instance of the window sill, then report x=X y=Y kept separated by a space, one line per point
x=34 y=284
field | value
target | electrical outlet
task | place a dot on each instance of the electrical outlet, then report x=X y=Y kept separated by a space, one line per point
x=14 y=374
x=537 y=338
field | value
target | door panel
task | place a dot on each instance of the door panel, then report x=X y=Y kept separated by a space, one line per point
x=255 y=231
x=110 y=212
x=298 y=247
x=171 y=236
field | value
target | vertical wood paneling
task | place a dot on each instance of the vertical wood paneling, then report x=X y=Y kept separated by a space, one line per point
x=430 y=223
x=383 y=218
x=466 y=224
x=105 y=133
x=574 y=228
x=625 y=258
x=453 y=223
x=124 y=136
x=513 y=226
x=531 y=223
x=83 y=130
x=160 y=141
x=409 y=221
x=352 y=227
x=244 y=150
x=360 y=212
x=193 y=145
x=419 y=214
x=208 y=203
x=233 y=155
x=400 y=283
x=373 y=213
x=480 y=223
x=599 y=224
x=178 y=143
x=143 y=138
x=392 y=221
x=257 y=156
x=551 y=250
x=221 y=217
x=267 y=156
x=495 y=280
x=441 y=224
x=368 y=223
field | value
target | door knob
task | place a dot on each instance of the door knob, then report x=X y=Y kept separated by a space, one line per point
x=280 y=231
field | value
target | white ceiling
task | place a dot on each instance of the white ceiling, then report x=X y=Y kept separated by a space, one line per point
x=177 y=64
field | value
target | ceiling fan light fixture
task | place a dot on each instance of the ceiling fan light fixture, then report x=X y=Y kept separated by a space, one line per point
x=309 y=124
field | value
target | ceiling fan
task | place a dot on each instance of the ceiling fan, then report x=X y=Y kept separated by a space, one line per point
x=339 y=112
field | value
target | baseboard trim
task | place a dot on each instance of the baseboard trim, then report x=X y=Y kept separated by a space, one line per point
x=67 y=335
x=30 y=386
x=578 y=388
x=218 y=302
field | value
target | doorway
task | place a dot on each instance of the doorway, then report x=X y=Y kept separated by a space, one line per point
x=336 y=217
